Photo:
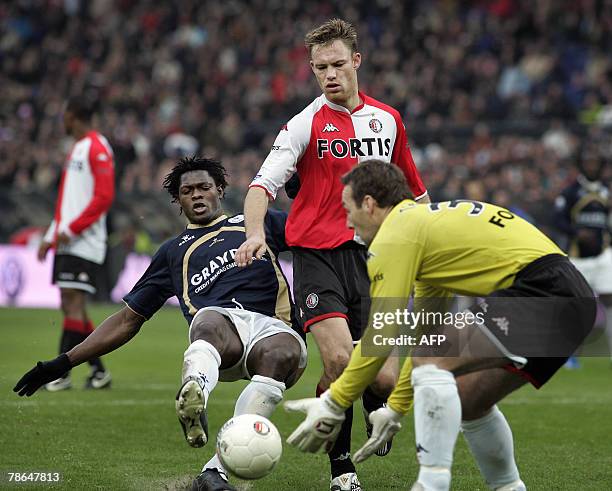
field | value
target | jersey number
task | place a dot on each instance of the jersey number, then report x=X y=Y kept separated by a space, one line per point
x=477 y=206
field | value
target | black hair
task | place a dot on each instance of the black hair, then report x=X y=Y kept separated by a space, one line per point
x=83 y=108
x=172 y=181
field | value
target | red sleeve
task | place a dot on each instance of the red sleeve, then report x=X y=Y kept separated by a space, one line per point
x=103 y=170
x=403 y=158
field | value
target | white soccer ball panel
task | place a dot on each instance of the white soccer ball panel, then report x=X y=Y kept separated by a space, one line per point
x=249 y=446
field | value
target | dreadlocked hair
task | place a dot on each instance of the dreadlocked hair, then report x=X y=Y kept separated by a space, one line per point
x=172 y=181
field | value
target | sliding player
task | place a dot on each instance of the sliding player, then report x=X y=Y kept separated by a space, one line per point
x=239 y=319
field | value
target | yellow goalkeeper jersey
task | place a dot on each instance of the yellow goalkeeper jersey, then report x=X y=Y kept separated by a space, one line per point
x=463 y=247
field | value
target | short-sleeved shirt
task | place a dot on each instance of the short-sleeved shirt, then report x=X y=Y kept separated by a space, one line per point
x=321 y=144
x=198 y=267
x=461 y=246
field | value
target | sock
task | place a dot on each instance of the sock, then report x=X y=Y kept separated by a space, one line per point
x=340 y=454
x=215 y=463
x=261 y=397
x=371 y=401
x=490 y=441
x=434 y=478
x=513 y=486
x=95 y=363
x=88 y=327
x=72 y=334
x=202 y=361
x=437 y=419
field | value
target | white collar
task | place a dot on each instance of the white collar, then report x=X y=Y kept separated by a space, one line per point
x=338 y=107
x=591 y=186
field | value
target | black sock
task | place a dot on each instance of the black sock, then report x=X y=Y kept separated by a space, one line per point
x=340 y=454
x=97 y=365
x=68 y=341
x=371 y=401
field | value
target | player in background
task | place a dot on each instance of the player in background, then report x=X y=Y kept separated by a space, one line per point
x=582 y=213
x=78 y=233
x=240 y=320
x=337 y=130
x=535 y=311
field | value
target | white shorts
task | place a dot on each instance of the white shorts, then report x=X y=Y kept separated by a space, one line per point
x=597 y=271
x=252 y=327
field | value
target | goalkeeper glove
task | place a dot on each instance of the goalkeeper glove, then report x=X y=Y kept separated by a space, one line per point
x=385 y=423
x=323 y=421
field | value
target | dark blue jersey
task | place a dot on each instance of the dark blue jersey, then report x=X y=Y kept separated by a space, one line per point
x=199 y=268
x=584 y=205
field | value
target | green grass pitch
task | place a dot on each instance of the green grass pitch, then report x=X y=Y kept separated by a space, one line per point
x=128 y=437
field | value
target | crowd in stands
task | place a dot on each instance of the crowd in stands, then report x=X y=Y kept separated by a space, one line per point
x=220 y=78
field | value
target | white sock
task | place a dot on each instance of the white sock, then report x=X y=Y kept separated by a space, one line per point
x=490 y=441
x=261 y=397
x=202 y=361
x=513 y=486
x=437 y=419
x=434 y=478
x=215 y=463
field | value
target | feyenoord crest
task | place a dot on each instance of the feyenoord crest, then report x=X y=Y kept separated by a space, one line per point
x=261 y=428
x=375 y=125
x=312 y=300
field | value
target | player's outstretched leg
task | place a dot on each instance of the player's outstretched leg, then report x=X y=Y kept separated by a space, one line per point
x=190 y=405
x=200 y=375
x=276 y=360
x=214 y=343
x=261 y=397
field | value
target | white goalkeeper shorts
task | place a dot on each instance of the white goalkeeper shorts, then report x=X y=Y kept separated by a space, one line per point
x=252 y=327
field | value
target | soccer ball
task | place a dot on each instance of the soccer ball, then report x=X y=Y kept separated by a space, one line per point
x=249 y=446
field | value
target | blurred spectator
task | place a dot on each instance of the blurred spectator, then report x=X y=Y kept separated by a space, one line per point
x=219 y=78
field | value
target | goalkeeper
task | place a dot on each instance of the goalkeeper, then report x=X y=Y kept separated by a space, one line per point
x=537 y=309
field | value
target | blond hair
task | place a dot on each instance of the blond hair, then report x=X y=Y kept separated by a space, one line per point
x=331 y=31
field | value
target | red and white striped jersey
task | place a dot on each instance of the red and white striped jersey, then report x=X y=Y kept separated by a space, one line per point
x=86 y=192
x=322 y=143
